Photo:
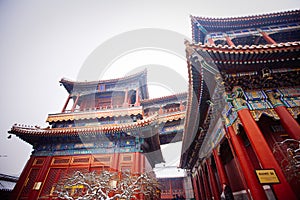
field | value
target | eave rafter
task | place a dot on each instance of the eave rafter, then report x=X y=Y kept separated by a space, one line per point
x=23 y=130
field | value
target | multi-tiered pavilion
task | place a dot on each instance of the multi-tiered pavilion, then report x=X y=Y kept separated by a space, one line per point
x=104 y=125
x=242 y=124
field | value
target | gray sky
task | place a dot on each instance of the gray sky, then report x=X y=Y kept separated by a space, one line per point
x=43 y=41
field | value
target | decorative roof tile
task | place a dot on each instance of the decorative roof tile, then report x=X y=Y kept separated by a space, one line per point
x=22 y=130
x=95 y=114
x=203 y=25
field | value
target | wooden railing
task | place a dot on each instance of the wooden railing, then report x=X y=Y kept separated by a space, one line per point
x=109 y=107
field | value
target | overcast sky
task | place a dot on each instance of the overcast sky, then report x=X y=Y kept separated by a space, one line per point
x=43 y=41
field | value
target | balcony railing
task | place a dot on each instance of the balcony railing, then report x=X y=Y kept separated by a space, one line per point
x=108 y=107
x=96 y=113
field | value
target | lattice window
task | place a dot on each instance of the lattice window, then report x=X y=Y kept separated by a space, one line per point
x=29 y=182
x=38 y=161
x=103 y=159
x=81 y=160
x=177 y=184
x=52 y=178
x=127 y=158
x=60 y=161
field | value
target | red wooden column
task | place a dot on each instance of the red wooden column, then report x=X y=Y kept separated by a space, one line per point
x=136 y=164
x=210 y=41
x=75 y=103
x=256 y=189
x=201 y=185
x=213 y=181
x=171 y=191
x=41 y=177
x=196 y=192
x=287 y=120
x=262 y=150
x=137 y=97
x=181 y=106
x=267 y=37
x=220 y=168
x=66 y=104
x=125 y=103
x=206 y=185
x=116 y=162
x=228 y=40
x=19 y=186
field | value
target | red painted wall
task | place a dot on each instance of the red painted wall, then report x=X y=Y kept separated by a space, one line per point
x=64 y=166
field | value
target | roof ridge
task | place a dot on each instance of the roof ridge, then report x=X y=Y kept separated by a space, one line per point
x=249 y=47
x=163 y=97
x=143 y=72
x=271 y=14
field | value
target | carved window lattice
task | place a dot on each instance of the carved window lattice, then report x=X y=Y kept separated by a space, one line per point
x=60 y=161
x=127 y=158
x=81 y=160
x=30 y=182
x=38 y=161
x=102 y=159
x=52 y=178
x=177 y=184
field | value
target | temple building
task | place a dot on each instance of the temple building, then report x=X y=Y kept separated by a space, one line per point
x=104 y=125
x=174 y=182
x=242 y=122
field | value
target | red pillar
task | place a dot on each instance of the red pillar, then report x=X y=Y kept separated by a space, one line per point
x=41 y=177
x=116 y=162
x=75 y=103
x=229 y=41
x=220 y=168
x=125 y=103
x=205 y=181
x=171 y=190
x=213 y=181
x=201 y=186
x=288 y=122
x=136 y=163
x=137 y=97
x=211 y=41
x=256 y=189
x=196 y=192
x=267 y=38
x=19 y=186
x=181 y=106
x=66 y=104
x=160 y=111
x=264 y=154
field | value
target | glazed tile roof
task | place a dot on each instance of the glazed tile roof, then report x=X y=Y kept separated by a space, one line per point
x=92 y=85
x=7 y=183
x=214 y=59
x=197 y=110
x=203 y=25
x=250 y=58
x=23 y=130
x=94 y=114
x=159 y=100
